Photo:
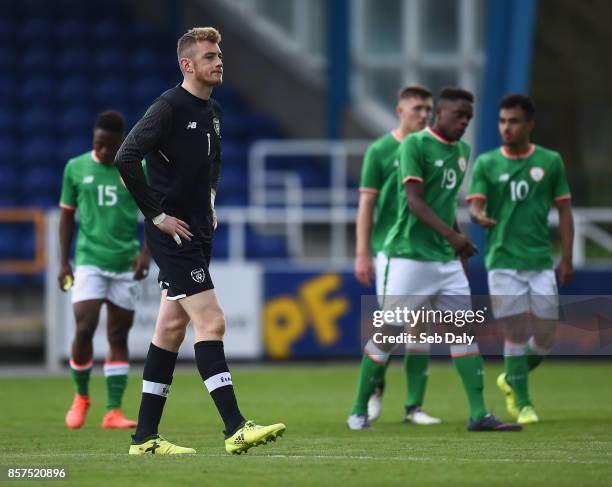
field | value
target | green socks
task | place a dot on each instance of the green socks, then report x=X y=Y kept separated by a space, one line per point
x=80 y=375
x=371 y=374
x=469 y=364
x=535 y=354
x=116 y=382
x=415 y=365
x=517 y=371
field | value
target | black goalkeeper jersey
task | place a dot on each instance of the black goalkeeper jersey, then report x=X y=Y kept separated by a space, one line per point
x=180 y=138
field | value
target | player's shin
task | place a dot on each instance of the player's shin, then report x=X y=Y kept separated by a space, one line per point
x=210 y=358
x=80 y=375
x=157 y=378
x=416 y=363
x=517 y=371
x=469 y=364
x=371 y=373
x=116 y=374
x=535 y=353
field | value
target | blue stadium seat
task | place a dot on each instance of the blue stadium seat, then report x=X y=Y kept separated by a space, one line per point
x=261 y=126
x=107 y=31
x=220 y=248
x=144 y=59
x=7 y=120
x=73 y=147
x=74 y=60
x=41 y=180
x=7 y=31
x=8 y=150
x=36 y=121
x=111 y=59
x=36 y=89
x=43 y=202
x=73 y=90
x=26 y=9
x=9 y=188
x=109 y=91
x=37 y=30
x=8 y=85
x=67 y=31
x=146 y=90
x=9 y=242
x=265 y=246
x=37 y=150
x=76 y=120
x=37 y=59
x=7 y=58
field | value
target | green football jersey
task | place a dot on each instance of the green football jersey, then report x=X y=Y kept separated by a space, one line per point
x=425 y=156
x=519 y=191
x=108 y=215
x=379 y=176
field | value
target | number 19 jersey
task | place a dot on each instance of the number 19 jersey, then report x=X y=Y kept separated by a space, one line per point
x=519 y=191
x=107 y=214
x=440 y=165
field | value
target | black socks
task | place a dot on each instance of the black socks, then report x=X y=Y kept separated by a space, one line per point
x=156 y=380
x=210 y=358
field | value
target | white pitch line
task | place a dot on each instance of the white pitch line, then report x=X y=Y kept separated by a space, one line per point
x=5 y=457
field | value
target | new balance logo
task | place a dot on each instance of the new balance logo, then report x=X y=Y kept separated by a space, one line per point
x=504 y=177
x=88 y=179
x=192 y=125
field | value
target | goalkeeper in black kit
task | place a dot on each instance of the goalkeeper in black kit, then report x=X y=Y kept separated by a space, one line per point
x=180 y=136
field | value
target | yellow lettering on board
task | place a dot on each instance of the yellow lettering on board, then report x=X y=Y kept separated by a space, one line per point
x=323 y=311
x=284 y=323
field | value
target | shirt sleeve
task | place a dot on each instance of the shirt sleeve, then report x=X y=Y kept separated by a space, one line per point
x=478 y=182
x=68 y=198
x=561 y=189
x=411 y=160
x=371 y=176
x=145 y=137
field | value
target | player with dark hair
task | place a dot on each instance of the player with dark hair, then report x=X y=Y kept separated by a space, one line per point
x=425 y=241
x=512 y=190
x=180 y=135
x=107 y=248
x=379 y=189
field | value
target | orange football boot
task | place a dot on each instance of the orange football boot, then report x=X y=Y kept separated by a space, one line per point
x=115 y=419
x=75 y=417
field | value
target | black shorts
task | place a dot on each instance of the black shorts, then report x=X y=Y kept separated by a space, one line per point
x=183 y=270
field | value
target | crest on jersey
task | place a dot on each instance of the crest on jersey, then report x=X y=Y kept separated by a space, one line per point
x=462 y=163
x=198 y=275
x=536 y=173
x=217 y=126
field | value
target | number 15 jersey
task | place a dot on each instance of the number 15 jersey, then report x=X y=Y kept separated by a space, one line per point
x=519 y=191
x=107 y=214
x=440 y=165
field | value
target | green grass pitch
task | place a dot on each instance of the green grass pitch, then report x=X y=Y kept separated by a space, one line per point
x=571 y=446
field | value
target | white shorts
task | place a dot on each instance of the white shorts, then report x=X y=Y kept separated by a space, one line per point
x=515 y=292
x=91 y=282
x=416 y=283
x=380 y=267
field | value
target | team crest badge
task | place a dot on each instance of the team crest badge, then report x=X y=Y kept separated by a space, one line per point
x=462 y=163
x=217 y=126
x=536 y=173
x=198 y=275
